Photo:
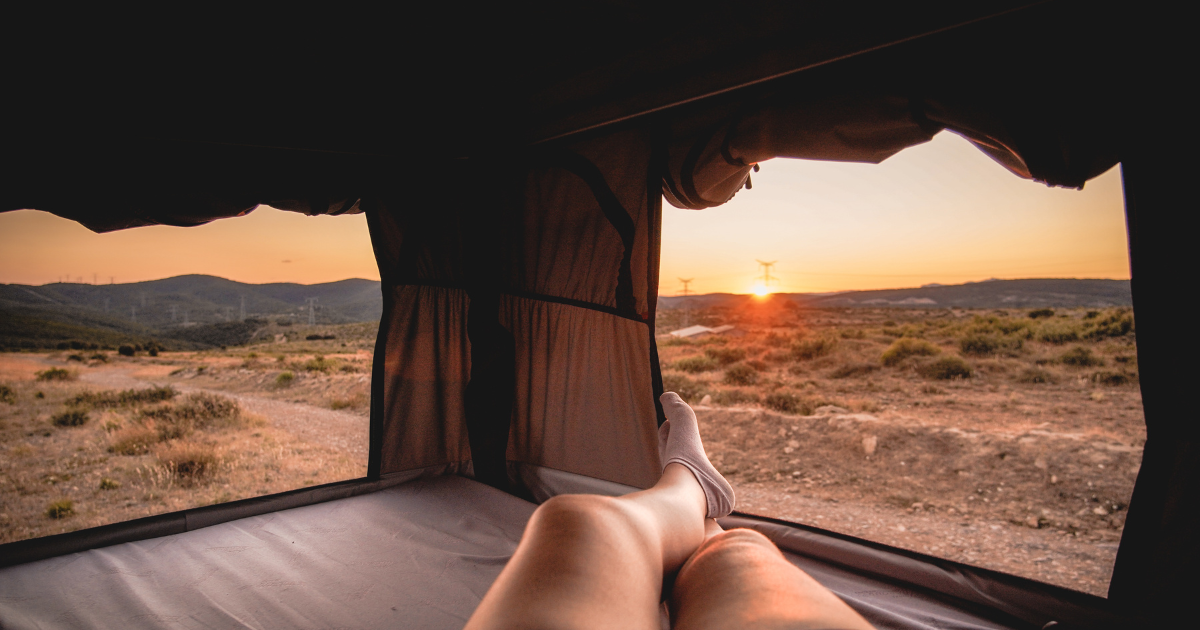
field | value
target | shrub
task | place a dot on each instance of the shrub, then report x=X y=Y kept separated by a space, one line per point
x=39 y=395
x=70 y=418
x=123 y=398
x=8 y=395
x=318 y=364
x=785 y=402
x=734 y=397
x=1035 y=375
x=758 y=364
x=1041 y=312
x=125 y=350
x=1058 y=333
x=188 y=461
x=805 y=349
x=695 y=364
x=197 y=411
x=853 y=369
x=946 y=368
x=687 y=388
x=283 y=322
x=906 y=347
x=1114 y=379
x=778 y=356
x=134 y=440
x=109 y=484
x=284 y=379
x=319 y=337
x=740 y=374
x=60 y=509
x=1115 y=325
x=982 y=345
x=1080 y=357
x=725 y=356
x=852 y=333
x=99 y=357
x=76 y=357
x=56 y=374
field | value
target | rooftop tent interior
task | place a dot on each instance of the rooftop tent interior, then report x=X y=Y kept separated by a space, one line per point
x=512 y=182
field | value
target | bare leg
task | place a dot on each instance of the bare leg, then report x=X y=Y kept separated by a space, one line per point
x=588 y=561
x=739 y=579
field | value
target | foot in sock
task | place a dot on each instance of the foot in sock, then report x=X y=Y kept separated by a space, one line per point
x=679 y=442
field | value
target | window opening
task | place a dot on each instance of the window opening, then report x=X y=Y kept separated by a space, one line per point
x=929 y=353
x=173 y=368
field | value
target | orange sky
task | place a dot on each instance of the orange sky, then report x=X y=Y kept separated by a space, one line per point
x=940 y=212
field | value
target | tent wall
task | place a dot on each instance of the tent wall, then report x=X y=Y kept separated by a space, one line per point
x=519 y=311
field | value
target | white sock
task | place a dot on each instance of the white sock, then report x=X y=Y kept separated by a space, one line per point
x=679 y=442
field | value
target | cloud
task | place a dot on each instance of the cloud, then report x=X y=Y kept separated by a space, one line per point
x=286 y=261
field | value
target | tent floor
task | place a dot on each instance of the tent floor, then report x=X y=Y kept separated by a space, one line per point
x=417 y=555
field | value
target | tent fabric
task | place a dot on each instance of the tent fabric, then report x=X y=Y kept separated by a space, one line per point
x=518 y=316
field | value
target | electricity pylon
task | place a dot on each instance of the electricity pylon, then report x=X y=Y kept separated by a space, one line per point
x=766 y=267
x=312 y=311
x=687 y=310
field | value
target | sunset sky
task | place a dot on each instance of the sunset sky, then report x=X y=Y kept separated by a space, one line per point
x=941 y=212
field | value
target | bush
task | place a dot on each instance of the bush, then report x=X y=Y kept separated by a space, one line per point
x=56 y=374
x=1114 y=379
x=687 y=388
x=196 y=412
x=318 y=364
x=983 y=345
x=76 y=357
x=1041 y=312
x=728 y=397
x=853 y=369
x=284 y=379
x=1115 y=325
x=725 y=356
x=134 y=440
x=125 y=350
x=1035 y=375
x=758 y=364
x=906 y=347
x=70 y=418
x=806 y=349
x=283 y=322
x=188 y=461
x=1080 y=357
x=124 y=398
x=99 y=357
x=60 y=509
x=8 y=395
x=785 y=402
x=946 y=368
x=1057 y=333
x=109 y=484
x=319 y=337
x=695 y=365
x=740 y=375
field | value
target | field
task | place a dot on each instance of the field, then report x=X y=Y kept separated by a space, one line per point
x=993 y=437
x=1007 y=439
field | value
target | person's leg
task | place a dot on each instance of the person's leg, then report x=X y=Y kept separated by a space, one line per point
x=588 y=561
x=739 y=579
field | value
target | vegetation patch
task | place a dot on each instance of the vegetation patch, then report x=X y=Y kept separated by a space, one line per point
x=807 y=349
x=1080 y=357
x=727 y=397
x=945 y=368
x=196 y=412
x=133 y=440
x=786 y=402
x=1035 y=376
x=1117 y=324
x=984 y=345
x=687 y=388
x=1114 y=379
x=75 y=417
x=1058 y=332
x=1041 y=312
x=285 y=379
x=8 y=394
x=189 y=461
x=60 y=509
x=56 y=374
x=906 y=347
x=740 y=374
x=851 y=370
x=725 y=356
x=124 y=398
x=109 y=484
x=695 y=365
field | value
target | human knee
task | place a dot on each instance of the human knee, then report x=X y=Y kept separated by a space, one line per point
x=571 y=511
x=732 y=550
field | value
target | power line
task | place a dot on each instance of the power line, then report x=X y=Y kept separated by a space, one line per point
x=687 y=304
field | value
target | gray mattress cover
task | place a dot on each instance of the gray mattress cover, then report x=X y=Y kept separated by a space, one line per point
x=417 y=555
x=420 y=555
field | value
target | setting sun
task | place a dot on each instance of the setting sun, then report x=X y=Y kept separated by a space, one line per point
x=760 y=290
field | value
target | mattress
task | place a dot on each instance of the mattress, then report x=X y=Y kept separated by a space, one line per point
x=423 y=553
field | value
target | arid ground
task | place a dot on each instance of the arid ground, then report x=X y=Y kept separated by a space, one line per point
x=990 y=437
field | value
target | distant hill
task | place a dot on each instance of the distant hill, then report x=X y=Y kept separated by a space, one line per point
x=1030 y=293
x=193 y=310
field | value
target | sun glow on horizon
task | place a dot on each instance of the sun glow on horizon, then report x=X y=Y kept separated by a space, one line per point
x=761 y=290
